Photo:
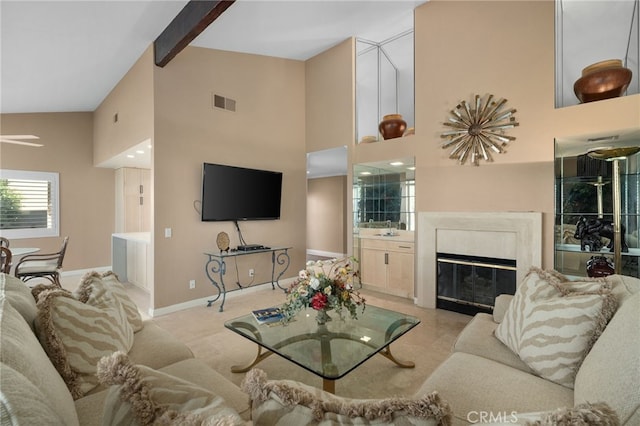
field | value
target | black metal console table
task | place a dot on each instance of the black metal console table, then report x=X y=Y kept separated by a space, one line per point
x=216 y=265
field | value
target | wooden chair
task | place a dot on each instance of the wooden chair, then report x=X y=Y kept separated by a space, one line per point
x=5 y=260
x=4 y=242
x=42 y=265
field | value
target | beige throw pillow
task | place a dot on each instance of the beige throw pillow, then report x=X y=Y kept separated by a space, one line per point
x=76 y=335
x=285 y=402
x=552 y=323
x=598 y=413
x=93 y=287
x=142 y=396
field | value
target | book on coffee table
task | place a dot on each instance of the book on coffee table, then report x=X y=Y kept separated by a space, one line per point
x=268 y=315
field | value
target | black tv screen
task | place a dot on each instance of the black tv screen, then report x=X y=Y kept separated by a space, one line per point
x=232 y=193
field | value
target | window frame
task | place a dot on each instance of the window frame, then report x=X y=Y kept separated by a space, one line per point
x=54 y=179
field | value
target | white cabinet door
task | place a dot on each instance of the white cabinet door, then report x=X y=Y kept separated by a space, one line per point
x=374 y=268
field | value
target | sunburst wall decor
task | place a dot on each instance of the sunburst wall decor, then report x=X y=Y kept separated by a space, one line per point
x=477 y=128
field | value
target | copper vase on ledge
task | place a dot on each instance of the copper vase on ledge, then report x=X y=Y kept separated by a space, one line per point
x=392 y=126
x=602 y=80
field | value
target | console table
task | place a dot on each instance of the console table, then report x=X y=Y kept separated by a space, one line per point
x=216 y=268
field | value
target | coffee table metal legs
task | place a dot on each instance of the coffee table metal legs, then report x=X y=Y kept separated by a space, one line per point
x=329 y=385
x=259 y=357
x=386 y=352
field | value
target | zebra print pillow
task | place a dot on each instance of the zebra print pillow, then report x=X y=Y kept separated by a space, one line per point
x=143 y=396
x=93 y=286
x=76 y=335
x=552 y=324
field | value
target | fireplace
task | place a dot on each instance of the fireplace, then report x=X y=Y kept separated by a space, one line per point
x=494 y=235
x=470 y=284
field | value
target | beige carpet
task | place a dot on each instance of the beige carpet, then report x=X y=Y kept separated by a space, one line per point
x=428 y=344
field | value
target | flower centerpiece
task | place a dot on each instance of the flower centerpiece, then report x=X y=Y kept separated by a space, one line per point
x=323 y=286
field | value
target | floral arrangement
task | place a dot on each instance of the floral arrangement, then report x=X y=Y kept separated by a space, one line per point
x=324 y=285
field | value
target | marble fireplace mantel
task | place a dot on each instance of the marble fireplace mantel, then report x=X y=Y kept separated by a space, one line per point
x=503 y=235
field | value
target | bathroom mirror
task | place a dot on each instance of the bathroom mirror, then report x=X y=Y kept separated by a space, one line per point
x=384 y=194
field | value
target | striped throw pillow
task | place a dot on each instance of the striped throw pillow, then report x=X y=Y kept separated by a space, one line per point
x=76 y=335
x=552 y=323
x=143 y=396
x=286 y=402
x=93 y=286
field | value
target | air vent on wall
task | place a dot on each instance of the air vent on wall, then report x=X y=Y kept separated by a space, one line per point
x=224 y=103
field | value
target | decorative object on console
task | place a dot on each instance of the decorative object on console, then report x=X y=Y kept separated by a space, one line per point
x=599 y=266
x=589 y=232
x=602 y=80
x=478 y=128
x=222 y=240
x=324 y=290
x=392 y=126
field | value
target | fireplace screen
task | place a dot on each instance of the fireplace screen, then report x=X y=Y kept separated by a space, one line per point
x=470 y=284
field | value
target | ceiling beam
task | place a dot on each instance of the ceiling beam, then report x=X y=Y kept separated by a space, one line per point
x=194 y=18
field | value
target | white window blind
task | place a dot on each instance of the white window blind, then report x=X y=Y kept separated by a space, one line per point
x=29 y=204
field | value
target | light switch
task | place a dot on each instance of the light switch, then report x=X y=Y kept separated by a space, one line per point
x=167 y=232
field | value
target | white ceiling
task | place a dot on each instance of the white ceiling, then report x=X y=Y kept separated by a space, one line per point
x=68 y=55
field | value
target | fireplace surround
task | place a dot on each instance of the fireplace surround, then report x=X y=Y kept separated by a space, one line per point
x=500 y=235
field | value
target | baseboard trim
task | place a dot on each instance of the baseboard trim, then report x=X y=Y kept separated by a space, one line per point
x=203 y=300
x=81 y=272
x=325 y=253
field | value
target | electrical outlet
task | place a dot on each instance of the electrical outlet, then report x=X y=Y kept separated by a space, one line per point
x=192 y=284
x=251 y=272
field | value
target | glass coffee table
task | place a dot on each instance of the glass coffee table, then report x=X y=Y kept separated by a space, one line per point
x=329 y=350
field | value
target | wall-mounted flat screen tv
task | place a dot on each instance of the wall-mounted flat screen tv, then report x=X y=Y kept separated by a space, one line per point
x=232 y=193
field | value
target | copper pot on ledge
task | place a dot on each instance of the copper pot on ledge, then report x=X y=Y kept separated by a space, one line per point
x=392 y=126
x=602 y=80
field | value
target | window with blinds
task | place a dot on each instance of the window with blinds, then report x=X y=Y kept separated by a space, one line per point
x=28 y=204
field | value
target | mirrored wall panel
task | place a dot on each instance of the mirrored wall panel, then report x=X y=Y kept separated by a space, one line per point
x=589 y=35
x=597 y=182
x=384 y=83
x=384 y=194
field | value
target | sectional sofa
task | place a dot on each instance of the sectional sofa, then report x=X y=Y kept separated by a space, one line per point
x=143 y=375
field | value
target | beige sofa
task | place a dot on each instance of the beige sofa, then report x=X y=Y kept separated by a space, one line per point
x=484 y=381
x=33 y=392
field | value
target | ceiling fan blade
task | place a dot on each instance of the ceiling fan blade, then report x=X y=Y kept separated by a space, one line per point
x=19 y=137
x=14 y=139
x=37 y=145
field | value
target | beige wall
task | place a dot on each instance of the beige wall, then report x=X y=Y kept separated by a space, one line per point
x=86 y=192
x=330 y=98
x=266 y=132
x=326 y=207
x=330 y=108
x=132 y=101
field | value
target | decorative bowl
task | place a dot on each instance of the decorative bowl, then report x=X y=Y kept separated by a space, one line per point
x=602 y=80
x=368 y=139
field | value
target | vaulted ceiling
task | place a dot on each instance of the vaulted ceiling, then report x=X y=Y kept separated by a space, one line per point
x=68 y=55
